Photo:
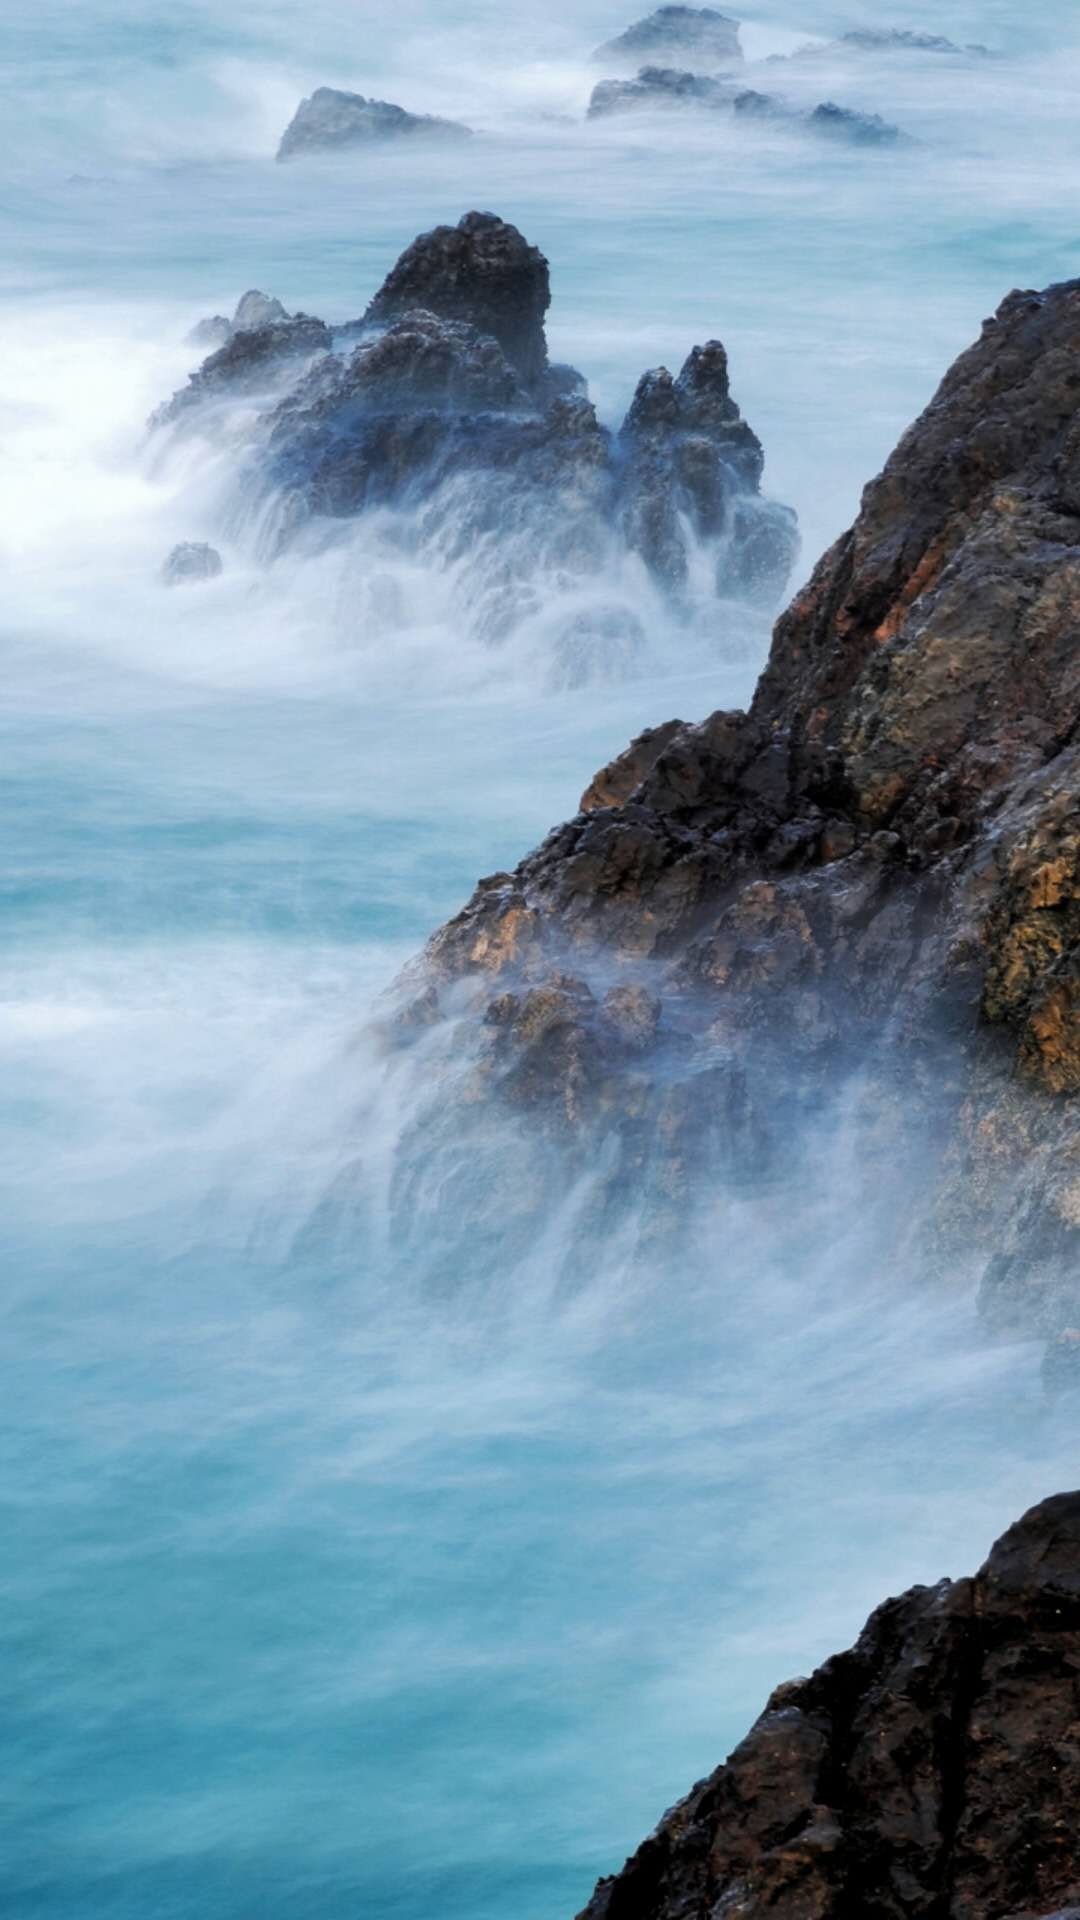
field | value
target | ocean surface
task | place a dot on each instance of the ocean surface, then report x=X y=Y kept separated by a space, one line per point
x=325 y=1595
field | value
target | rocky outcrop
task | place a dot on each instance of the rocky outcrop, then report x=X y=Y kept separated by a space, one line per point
x=697 y=35
x=663 y=87
x=191 y=561
x=482 y=272
x=687 y=463
x=441 y=401
x=330 y=121
x=871 y=878
x=253 y=360
x=930 y=1773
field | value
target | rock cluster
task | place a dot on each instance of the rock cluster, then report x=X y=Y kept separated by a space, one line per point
x=442 y=397
x=699 y=35
x=875 y=872
x=330 y=121
x=930 y=1773
x=660 y=87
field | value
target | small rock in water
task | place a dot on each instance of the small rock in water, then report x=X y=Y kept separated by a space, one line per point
x=700 y=34
x=862 y=129
x=190 y=561
x=330 y=121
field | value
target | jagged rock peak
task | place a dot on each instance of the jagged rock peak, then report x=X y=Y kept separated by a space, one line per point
x=698 y=34
x=482 y=271
x=332 y=121
x=931 y=1773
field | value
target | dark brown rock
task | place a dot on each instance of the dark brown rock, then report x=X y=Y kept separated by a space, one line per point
x=931 y=1773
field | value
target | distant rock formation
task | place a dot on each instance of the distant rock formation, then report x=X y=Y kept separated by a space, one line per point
x=860 y=129
x=871 y=880
x=443 y=397
x=885 y=40
x=331 y=121
x=191 y=561
x=696 y=35
x=660 y=87
x=931 y=1773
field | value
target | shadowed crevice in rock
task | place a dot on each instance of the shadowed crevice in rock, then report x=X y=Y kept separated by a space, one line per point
x=930 y=1773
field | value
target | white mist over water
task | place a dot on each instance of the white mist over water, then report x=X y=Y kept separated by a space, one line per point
x=323 y=1596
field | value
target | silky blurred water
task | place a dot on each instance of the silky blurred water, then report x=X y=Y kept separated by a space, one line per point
x=322 y=1596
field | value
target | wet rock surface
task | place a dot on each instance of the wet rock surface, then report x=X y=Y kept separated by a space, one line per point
x=931 y=1772
x=330 y=121
x=873 y=876
x=482 y=272
x=697 y=35
x=442 y=401
x=251 y=360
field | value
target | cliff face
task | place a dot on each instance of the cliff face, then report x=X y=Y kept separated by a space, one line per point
x=876 y=869
x=932 y=1772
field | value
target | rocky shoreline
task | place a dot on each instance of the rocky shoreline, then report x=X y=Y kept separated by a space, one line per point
x=926 y=1774
x=870 y=878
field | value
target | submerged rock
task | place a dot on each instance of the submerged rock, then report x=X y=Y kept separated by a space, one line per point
x=697 y=34
x=931 y=1772
x=192 y=560
x=441 y=401
x=872 y=878
x=331 y=121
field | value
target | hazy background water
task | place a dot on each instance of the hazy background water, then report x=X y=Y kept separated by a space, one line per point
x=319 y=1597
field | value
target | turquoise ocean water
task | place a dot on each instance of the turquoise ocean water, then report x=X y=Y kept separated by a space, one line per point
x=321 y=1596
